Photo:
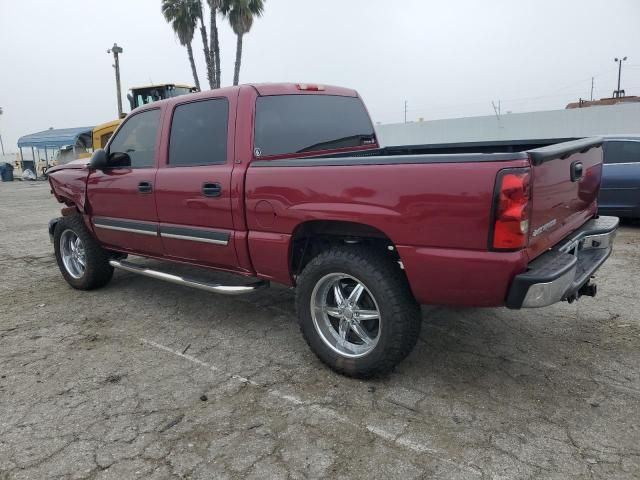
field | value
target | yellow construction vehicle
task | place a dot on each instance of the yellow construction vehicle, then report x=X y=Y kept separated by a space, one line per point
x=41 y=150
x=152 y=93
x=102 y=133
x=138 y=96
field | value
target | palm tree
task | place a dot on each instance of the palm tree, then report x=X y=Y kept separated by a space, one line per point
x=240 y=14
x=205 y=45
x=183 y=16
x=214 y=47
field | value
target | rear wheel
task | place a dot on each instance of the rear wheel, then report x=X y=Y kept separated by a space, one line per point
x=84 y=264
x=356 y=311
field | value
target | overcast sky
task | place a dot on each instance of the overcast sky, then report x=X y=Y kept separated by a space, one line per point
x=446 y=58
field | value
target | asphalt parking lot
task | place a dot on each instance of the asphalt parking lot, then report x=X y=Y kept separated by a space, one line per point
x=144 y=379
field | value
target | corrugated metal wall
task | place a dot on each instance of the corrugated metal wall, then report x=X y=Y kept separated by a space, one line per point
x=577 y=122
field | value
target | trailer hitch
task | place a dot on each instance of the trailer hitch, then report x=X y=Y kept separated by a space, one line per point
x=589 y=289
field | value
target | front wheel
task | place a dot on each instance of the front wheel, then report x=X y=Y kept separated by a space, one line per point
x=356 y=311
x=84 y=264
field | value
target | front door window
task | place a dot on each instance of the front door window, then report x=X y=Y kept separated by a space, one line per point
x=137 y=138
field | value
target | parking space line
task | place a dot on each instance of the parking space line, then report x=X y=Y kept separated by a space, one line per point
x=193 y=359
x=385 y=435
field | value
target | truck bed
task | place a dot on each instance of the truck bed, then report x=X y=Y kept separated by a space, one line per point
x=436 y=207
x=489 y=147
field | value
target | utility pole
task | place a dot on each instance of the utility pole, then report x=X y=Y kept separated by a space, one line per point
x=405 y=111
x=496 y=109
x=116 y=50
x=592 y=89
x=1 y=144
x=618 y=91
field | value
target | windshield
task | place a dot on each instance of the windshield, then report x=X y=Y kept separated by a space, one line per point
x=142 y=96
x=177 y=91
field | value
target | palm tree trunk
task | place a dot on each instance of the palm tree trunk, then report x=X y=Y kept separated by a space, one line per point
x=207 y=53
x=236 y=75
x=193 y=65
x=215 y=47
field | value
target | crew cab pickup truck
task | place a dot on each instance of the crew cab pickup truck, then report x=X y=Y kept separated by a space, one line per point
x=287 y=183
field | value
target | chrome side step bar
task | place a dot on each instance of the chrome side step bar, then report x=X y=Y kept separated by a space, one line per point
x=188 y=282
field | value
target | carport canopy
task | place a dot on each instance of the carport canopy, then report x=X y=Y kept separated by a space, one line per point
x=57 y=138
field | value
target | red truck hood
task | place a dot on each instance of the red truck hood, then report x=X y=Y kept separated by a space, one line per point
x=73 y=164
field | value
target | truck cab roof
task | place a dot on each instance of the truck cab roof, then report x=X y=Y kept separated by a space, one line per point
x=262 y=89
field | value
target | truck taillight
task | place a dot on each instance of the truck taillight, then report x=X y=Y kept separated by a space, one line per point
x=511 y=209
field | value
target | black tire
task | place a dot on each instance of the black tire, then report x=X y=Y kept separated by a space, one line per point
x=400 y=316
x=97 y=271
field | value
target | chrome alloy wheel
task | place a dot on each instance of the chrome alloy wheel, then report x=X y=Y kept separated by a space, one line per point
x=345 y=315
x=72 y=252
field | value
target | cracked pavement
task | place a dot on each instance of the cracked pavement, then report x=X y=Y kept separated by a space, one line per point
x=144 y=379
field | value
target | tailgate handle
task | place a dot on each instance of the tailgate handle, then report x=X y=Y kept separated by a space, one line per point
x=576 y=171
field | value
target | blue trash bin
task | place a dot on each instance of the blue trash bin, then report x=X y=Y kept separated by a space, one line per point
x=6 y=172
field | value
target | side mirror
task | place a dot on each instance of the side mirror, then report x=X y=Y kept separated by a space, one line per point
x=98 y=160
x=119 y=160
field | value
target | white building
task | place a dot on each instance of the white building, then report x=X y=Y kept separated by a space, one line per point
x=570 y=123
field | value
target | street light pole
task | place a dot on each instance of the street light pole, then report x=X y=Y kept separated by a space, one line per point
x=116 y=50
x=618 y=91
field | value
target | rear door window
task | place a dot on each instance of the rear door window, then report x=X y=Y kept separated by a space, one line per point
x=199 y=133
x=288 y=124
x=621 y=151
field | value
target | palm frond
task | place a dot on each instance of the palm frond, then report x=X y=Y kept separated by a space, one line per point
x=241 y=13
x=183 y=16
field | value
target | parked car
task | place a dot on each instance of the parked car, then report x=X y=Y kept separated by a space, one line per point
x=287 y=183
x=620 y=190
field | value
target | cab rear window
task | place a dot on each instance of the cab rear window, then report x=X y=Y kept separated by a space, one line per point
x=288 y=124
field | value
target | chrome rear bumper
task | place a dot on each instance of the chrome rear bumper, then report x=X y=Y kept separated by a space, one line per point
x=564 y=272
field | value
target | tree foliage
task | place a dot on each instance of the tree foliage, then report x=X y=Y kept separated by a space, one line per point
x=184 y=16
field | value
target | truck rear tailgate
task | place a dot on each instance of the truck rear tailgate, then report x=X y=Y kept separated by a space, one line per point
x=565 y=182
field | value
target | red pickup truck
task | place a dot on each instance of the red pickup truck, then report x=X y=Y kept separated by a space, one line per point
x=287 y=183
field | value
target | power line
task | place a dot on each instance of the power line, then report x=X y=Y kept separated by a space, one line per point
x=551 y=94
x=592 y=89
x=608 y=70
x=510 y=100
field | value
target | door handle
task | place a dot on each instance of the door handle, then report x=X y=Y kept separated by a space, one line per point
x=145 y=187
x=211 y=189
